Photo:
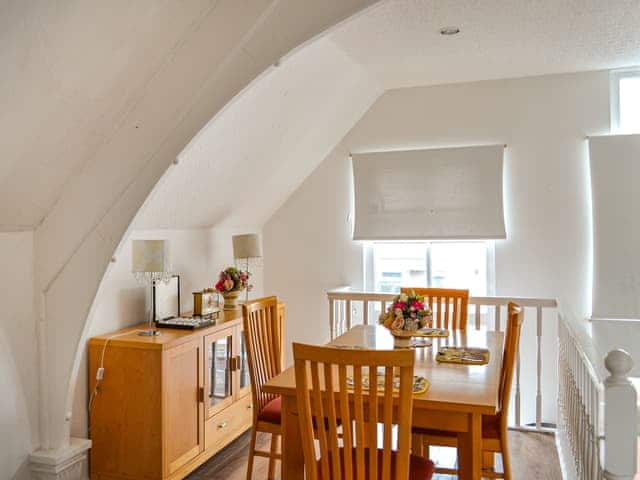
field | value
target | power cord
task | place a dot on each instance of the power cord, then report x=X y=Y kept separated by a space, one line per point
x=100 y=371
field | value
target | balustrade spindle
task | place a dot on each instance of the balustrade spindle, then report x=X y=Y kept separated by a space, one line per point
x=539 y=367
x=517 y=398
x=332 y=306
x=365 y=312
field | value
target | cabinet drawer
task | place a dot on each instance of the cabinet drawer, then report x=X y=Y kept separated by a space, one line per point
x=225 y=426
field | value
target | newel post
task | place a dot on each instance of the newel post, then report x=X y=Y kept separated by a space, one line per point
x=621 y=418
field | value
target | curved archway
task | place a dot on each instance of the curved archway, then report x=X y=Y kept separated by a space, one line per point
x=77 y=238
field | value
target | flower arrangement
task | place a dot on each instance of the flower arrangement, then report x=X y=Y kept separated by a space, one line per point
x=232 y=279
x=407 y=312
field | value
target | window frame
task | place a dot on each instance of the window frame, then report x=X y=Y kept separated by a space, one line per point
x=369 y=267
x=614 y=95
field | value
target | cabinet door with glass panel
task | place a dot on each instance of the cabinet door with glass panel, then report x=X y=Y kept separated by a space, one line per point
x=243 y=386
x=220 y=361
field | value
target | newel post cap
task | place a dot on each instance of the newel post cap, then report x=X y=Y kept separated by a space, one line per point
x=619 y=363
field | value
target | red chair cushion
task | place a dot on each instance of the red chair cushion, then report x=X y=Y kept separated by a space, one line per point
x=490 y=428
x=419 y=467
x=272 y=412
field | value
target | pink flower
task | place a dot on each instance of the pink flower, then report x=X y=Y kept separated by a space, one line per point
x=400 y=305
x=417 y=305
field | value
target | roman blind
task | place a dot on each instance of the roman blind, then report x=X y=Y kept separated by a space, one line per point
x=615 y=180
x=445 y=193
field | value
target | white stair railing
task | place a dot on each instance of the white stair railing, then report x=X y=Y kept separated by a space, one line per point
x=597 y=410
x=621 y=418
x=343 y=302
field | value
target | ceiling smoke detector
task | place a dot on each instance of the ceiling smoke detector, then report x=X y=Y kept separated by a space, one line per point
x=449 y=31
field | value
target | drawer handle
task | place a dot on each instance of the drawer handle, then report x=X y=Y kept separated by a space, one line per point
x=248 y=407
x=222 y=424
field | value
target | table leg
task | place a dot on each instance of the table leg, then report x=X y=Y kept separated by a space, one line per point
x=470 y=449
x=292 y=456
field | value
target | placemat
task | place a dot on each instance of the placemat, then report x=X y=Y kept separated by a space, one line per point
x=433 y=332
x=463 y=355
x=420 y=384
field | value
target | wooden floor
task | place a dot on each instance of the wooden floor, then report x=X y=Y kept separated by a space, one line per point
x=534 y=456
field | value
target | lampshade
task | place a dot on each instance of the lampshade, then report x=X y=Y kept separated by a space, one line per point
x=150 y=256
x=246 y=246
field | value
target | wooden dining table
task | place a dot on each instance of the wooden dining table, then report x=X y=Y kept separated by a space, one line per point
x=458 y=396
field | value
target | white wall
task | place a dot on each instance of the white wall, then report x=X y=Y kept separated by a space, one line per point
x=543 y=120
x=197 y=256
x=18 y=356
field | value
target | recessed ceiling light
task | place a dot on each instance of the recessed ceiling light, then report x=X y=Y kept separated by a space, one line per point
x=449 y=31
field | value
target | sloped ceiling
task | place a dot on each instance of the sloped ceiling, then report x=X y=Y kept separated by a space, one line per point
x=248 y=160
x=71 y=70
x=74 y=71
x=252 y=155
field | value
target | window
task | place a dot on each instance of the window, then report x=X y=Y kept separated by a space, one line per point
x=625 y=101
x=453 y=264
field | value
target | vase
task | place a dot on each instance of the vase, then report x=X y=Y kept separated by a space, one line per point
x=401 y=338
x=231 y=300
x=407 y=339
x=401 y=342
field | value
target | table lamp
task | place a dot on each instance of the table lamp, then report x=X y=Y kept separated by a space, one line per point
x=150 y=264
x=245 y=247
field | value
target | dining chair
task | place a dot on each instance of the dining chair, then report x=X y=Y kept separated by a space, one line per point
x=263 y=335
x=331 y=384
x=494 y=427
x=449 y=305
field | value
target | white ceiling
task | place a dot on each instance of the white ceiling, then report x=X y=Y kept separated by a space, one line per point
x=398 y=41
x=250 y=158
x=72 y=71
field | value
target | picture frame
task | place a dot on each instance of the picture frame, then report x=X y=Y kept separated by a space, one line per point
x=166 y=299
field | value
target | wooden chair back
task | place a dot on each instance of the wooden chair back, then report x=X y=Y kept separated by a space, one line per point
x=329 y=385
x=264 y=340
x=449 y=306
x=509 y=357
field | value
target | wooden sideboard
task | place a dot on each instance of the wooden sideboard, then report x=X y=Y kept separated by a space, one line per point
x=166 y=404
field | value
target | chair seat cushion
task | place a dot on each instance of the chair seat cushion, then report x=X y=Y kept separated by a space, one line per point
x=272 y=412
x=490 y=428
x=419 y=467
